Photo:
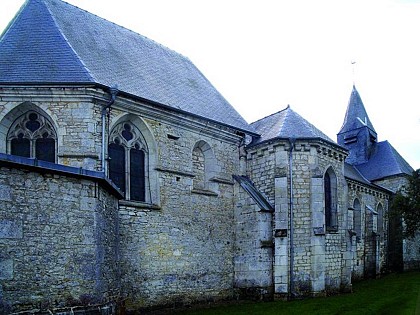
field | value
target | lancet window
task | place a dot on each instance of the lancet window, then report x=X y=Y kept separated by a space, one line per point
x=330 y=200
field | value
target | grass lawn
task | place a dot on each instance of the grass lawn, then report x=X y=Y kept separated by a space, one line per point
x=393 y=294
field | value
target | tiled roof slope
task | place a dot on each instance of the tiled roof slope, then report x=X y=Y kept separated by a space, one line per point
x=33 y=49
x=51 y=41
x=385 y=162
x=287 y=124
x=351 y=172
x=356 y=115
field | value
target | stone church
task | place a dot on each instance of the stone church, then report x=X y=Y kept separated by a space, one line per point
x=126 y=176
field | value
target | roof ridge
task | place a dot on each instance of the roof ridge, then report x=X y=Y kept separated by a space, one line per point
x=67 y=41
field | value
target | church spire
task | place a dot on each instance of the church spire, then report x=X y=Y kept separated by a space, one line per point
x=357 y=133
x=356 y=116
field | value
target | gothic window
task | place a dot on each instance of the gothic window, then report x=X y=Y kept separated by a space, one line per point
x=357 y=219
x=32 y=136
x=128 y=154
x=380 y=211
x=330 y=200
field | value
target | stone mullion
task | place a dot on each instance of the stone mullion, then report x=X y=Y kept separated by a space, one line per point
x=127 y=174
x=32 y=142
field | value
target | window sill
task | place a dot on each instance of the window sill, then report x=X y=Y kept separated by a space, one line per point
x=140 y=205
x=332 y=231
x=204 y=192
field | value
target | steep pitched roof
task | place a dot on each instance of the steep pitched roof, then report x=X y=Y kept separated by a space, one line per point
x=287 y=124
x=51 y=41
x=385 y=162
x=356 y=115
x=352 y=172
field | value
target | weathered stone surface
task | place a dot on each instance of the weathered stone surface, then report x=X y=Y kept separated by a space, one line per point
x=198 y=236
x=11 y=229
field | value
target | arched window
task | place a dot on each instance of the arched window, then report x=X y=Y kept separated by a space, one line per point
x=330 y=200
x=204 y=166
x=32 y=135
x=199 y=168
x=357 y=219
x=128 y=157
x=380 y=211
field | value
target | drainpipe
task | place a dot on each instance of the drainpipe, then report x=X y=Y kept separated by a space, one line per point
x=291 y=249
x=113 y=91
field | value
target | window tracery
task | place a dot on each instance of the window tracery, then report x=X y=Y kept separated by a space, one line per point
x=32 y=136
x=128 y=156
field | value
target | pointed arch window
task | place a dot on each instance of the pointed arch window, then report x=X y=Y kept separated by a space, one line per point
x=330 y=200
x=128 y=156
x=380 y=211
x=33 y=136
x=357 y=219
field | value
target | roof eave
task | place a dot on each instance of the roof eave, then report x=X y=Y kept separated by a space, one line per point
x=133 y=96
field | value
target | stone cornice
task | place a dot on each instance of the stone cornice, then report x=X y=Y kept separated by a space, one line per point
x=179 y=120
x=96 y=95
x=301 y=145
x=327 y=149
x=367 y=189
x=50 y=93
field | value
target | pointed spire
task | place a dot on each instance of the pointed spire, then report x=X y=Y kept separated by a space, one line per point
x=356 y=116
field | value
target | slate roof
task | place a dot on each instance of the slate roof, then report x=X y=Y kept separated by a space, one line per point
x=53 y=42
x=352 y=172
x=286 y=124
x=356 y=115
x=385 y=162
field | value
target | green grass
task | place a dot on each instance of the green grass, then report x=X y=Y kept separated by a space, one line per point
x=393 y=294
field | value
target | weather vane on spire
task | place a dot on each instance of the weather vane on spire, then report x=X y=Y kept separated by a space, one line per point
x=353 y=67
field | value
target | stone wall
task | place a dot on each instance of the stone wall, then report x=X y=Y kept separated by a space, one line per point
x=58 y=241
x=254 y=248
x=317 y=257
x=370 y=248
x=410 y=246
x=179 y=248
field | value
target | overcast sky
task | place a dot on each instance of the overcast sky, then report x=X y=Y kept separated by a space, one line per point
x=263 y=55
